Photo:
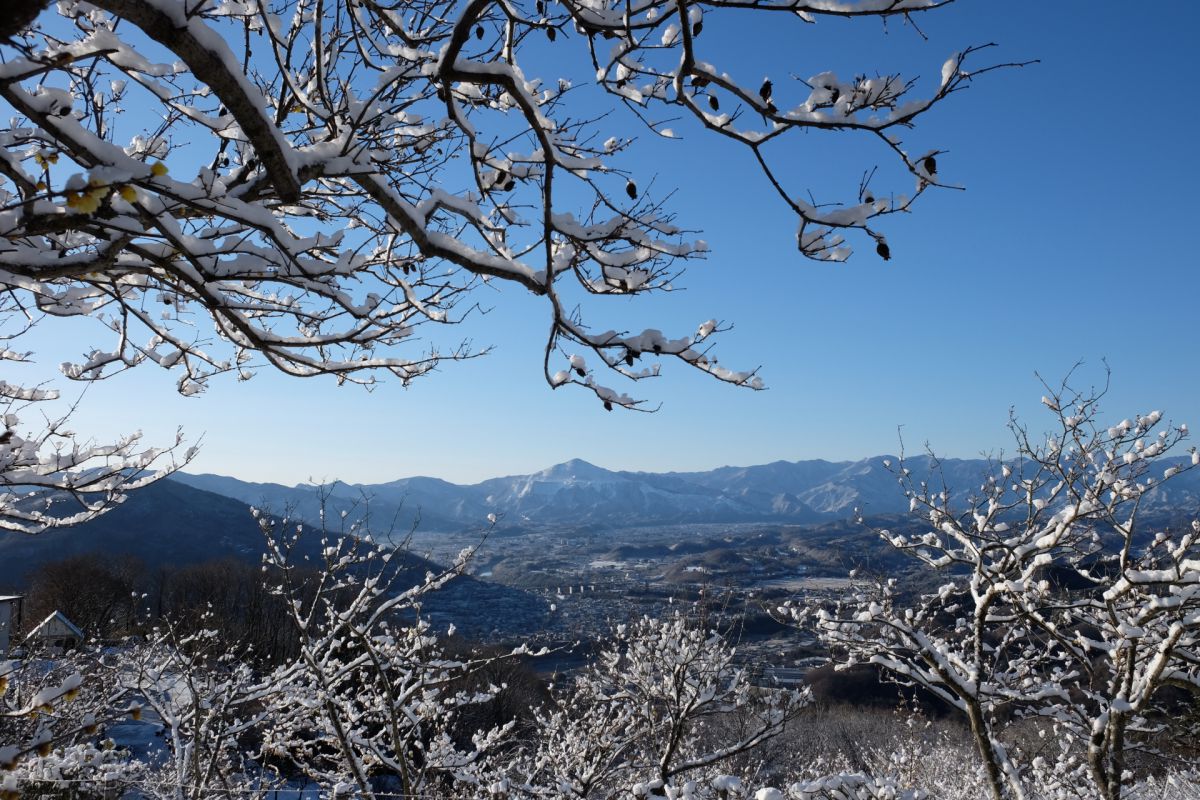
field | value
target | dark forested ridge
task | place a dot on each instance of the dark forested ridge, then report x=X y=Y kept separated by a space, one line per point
x=170 y=526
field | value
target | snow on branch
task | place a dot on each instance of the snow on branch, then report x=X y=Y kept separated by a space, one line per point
x=1057 y=600
x=321 y=188
x=50 y=478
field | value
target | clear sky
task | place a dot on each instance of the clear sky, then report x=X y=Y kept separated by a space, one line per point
x=1075 y=240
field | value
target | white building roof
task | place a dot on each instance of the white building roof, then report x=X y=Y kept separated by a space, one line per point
x=55 y=620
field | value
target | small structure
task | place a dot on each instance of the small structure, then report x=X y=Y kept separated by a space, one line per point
x=56 y=631
x=10 y=619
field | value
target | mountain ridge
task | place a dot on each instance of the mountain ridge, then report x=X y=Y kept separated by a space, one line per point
x=170 y=525
x=577 y=493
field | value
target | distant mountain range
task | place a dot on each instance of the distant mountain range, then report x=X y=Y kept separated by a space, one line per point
x=189 y=519
x=577 y=494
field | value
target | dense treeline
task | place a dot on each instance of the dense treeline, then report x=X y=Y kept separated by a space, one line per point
x=110 y=599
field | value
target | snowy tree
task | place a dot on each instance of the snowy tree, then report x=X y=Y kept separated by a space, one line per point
x=53 y=710
x=207 y=703
x=49 y=477
x=372 y=698
x=641 y=719
x=319 y=186
x=1058 y=603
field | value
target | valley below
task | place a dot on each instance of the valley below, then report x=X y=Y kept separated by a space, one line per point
x=560 y=557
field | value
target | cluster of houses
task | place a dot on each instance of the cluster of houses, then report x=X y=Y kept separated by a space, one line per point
x=55 y=631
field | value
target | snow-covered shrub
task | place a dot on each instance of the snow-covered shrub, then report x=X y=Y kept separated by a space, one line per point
x=660 y=712
x=369 y=703
x=1056 y=602
x=79 y=771
x=204 y=702
x=54 y=709
x=1174 y=785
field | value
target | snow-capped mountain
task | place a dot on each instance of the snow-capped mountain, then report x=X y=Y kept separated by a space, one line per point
x=577 y=493
x=581 y=493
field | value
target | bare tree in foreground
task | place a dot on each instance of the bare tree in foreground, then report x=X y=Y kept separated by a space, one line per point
x=367 y=707
x=644 y=719
x=321 y=186
x=370 y=706
x=49 y=476
x=326 y=183
x=1058 y=603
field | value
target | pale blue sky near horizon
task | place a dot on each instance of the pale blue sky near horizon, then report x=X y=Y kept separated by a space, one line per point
x=1073 y=242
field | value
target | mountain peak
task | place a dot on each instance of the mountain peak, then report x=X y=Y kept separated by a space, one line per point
x=577 y=469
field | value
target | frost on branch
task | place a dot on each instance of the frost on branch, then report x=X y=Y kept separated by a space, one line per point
x=1057 y=602
x=371 y=682
x=207 y=703
x=49 y=478
x=645 y=719
x=52 y=712
x=322 y=187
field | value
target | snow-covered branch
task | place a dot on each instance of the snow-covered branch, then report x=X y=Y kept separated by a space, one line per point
x=322 y=187
x=1057 y=602
x=49 y=477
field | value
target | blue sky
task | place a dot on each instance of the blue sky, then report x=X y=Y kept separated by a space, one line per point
x=1073 y=241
